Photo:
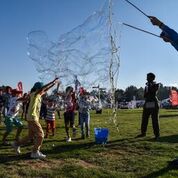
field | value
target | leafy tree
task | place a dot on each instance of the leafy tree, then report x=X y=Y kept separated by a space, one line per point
x=130 y=92
x=140 y=94
x=119 y=95
x=163 y=92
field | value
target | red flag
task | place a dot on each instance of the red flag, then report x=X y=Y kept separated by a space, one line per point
x=81 y=90
x=174 y=98
x=19 y=86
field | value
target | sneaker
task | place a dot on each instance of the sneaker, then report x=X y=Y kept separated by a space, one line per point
x=16 y=148
x=37 y=155
x=68 y=139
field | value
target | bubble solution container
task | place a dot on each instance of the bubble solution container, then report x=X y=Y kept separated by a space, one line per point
x=101 y=135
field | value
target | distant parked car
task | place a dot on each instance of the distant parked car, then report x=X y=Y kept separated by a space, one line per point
x=166 y=104
x=140 y=103
x=123 y=105
x=98 y=108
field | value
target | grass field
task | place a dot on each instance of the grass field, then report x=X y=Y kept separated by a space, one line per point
x=123 y=155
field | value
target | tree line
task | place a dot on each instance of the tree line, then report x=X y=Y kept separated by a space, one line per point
x=132 y=92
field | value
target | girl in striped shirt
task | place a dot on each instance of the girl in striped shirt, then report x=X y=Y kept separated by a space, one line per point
x=50 y=117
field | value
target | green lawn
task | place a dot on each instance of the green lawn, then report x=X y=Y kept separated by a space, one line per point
x=123 y=155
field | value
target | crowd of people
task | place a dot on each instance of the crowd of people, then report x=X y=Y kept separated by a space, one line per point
x=15 y=106
x=35 y=106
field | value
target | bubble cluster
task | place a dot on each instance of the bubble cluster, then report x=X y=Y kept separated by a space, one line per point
x=85 y=51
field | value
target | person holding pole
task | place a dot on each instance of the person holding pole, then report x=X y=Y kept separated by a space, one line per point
x=167 y=34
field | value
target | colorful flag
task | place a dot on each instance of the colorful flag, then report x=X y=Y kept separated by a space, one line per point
x=19 y=86
x=174 y=97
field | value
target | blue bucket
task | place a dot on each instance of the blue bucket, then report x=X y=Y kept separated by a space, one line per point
x=101 y=135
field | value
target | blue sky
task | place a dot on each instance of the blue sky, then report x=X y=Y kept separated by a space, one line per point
x=140 y=53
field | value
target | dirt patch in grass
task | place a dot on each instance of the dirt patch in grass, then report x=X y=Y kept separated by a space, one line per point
x=85 y=164
x=52 y=164
x=35 y=164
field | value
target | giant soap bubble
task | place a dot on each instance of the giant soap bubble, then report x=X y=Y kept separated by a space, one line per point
x=85 y=51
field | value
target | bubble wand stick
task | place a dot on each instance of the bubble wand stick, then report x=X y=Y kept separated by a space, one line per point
x=137 y=8
x=141 y=30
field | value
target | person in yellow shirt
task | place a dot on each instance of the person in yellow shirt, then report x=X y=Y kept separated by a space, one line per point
x=35 y=130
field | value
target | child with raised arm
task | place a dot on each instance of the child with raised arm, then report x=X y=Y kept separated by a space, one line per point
x=11 y=118
x=35 y=130
x=69 y=114
x=6 y=96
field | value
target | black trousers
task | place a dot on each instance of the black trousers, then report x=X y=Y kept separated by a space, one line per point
x=154 y=113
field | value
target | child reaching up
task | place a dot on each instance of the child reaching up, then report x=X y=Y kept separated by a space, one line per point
x=11 y=118
x=69 y=113
x=35 y=130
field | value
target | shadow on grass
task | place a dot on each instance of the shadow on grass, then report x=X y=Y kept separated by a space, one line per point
x=129 y=139
x=5 y=158
x=172 y=110
x=162 y=171
x=68 y=147
x=167 y=139
x=122 y=142
x=49 y=140
x=168 y=115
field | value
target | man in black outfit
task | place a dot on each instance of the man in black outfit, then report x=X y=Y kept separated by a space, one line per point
x=151 y=107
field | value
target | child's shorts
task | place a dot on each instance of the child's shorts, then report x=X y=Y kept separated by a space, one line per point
x=10 y=122
x=69 y=118
x=51 y=124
